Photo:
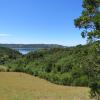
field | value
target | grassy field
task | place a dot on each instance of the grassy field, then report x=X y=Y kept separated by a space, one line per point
x=20 y=86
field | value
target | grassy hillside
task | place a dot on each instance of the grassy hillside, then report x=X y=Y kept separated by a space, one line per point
x=19 y=86
x=74 y=66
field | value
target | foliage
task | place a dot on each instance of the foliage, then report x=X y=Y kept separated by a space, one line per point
x=89 y=21
x=95 y=90
x=3 y=68
x=75 y=66
x=7 y=54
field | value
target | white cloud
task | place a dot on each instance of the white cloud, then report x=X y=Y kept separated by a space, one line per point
x=4 y=35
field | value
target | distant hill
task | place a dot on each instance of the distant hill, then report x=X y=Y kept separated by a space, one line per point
x=31 y=45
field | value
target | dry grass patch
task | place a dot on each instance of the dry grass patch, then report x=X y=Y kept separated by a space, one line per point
x=20 y=86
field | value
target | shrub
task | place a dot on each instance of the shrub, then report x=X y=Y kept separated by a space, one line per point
x=3 y=68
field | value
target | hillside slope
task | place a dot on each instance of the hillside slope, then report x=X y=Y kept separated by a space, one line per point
x=7 y=54
x=74 y=66
x=20 y=86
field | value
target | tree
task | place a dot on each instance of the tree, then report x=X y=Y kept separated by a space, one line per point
x=89 y=21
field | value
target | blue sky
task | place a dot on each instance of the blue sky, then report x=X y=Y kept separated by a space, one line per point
x=40 y=21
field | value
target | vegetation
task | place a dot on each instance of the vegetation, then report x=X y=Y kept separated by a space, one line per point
x=7 y=55
x=20 y=86
x=89 y=22
x=73 y=66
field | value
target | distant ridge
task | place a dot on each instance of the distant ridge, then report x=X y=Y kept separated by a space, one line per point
x=32 y=45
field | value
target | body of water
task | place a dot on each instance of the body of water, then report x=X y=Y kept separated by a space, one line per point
x=25 y=50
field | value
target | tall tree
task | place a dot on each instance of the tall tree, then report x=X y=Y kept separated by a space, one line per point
x=89 y=21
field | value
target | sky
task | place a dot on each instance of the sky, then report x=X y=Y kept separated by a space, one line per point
x=40 y=22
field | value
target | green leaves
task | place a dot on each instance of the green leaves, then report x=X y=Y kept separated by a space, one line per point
x=89 y=20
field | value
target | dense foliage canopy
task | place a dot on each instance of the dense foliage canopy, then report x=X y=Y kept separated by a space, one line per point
x=7 y=54
x=89 y=21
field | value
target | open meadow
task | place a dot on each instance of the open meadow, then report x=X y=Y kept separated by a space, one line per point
x=20 y=86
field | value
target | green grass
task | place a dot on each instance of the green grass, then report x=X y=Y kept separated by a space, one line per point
x=20 y=86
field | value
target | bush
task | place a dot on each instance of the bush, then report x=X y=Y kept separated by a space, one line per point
x=66 y=79
x=81 y=81
x=3 y=68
